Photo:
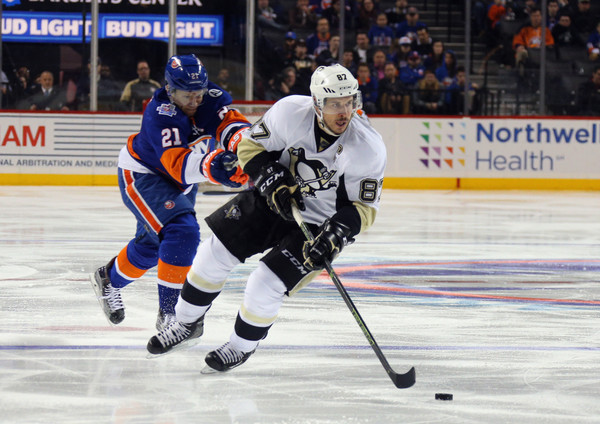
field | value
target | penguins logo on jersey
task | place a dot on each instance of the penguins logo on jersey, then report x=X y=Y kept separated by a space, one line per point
x=311 y=175
x=233 y=212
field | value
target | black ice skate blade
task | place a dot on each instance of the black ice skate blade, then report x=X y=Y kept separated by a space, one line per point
x=181 y=346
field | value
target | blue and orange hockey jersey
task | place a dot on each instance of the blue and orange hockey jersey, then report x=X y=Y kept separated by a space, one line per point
x=164 y=144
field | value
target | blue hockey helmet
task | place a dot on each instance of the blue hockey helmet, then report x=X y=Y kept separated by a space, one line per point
x=186 y=73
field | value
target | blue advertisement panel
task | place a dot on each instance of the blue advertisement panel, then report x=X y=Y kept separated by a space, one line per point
x=54 y=27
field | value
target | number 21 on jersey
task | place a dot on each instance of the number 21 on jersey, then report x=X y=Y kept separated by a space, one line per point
x=170 y=137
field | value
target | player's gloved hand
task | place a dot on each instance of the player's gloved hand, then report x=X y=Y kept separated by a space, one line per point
x=330 y=241
x=278 y=186
x=222 y=167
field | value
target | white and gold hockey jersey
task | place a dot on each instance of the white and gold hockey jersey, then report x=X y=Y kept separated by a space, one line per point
x=348 y=171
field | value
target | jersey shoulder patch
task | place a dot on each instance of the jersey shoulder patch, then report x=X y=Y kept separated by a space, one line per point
x=167 y=109
x=215 y=92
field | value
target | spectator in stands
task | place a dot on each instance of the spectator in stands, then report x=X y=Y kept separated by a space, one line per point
x=454 y=98
x=109 y=91
x=530 y=37
x=46 y=95
x=303 y=63
x=222 y=80
x=367 y=15
x=583 y=17
x=588 y=95
x=287 y=51
x=495 y=15
x=301 y=16
x=140 y=89
x=413 y=71
x=331 y=55
x=21 y=88
x=381 y=35
x=348 y=61
x=363 y=51
x=552 y=14
x=446 y=73
x=397 y=13
x=332 y=14
x=496 y=12
x=319 y=40
x=392 y=97
x=318 y=6
x=368 y=87
x=478 y=16
x=378 y=67
x=428 y=97
x=436 y=59
x=593 y=44
x=284 y=85
x=6 y=90
x=266 y=16
x=566 y=36
x=409 y=27
x=423 y=44
x=400 y=54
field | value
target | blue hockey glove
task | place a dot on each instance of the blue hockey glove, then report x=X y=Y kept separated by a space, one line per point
x=278 y=186
x=222 y=167
x=330 y=241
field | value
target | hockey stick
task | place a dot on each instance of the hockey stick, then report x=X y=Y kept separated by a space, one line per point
x=401 y=381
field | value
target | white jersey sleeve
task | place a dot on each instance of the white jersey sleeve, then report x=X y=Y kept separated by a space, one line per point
x=351 y=169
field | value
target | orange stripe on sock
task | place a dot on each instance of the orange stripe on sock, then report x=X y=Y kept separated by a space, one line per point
x=172 y=273
x=139 y=203
x=127 y=268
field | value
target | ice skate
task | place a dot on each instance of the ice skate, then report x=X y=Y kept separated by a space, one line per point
x=108 y=296
x=224 y=358
x=175 y=336
x=163 y=320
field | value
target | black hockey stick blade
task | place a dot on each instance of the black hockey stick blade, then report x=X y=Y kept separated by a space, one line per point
x=403 y=381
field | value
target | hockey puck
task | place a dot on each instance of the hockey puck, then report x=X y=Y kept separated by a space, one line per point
x=443 y=396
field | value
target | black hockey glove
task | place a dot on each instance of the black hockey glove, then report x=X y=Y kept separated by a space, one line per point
x=332 y=238
x=277 y=185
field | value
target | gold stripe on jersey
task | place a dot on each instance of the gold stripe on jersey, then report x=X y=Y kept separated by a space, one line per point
x=367 y=215
x=247 y=149
x=201 y=284
x=252 y=318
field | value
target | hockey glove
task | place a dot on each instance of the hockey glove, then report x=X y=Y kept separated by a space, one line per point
x=277 y=185
x=221 y=167
x=332 y=238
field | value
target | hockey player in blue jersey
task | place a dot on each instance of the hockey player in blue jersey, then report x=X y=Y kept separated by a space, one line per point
x=159 y=168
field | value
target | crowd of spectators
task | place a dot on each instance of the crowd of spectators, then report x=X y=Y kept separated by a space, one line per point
x=401 y=69
x=388 y=46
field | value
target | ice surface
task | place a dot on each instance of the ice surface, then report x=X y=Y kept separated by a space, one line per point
x=492 y=296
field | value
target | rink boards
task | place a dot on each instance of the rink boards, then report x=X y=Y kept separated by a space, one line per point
x=423 y=152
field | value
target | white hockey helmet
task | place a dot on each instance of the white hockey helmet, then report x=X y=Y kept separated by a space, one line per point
x=333 y=82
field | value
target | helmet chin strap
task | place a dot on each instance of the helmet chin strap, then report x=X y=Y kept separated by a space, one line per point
x=322 y=124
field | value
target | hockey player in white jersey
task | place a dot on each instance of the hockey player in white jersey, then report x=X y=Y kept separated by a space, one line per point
x=320 y=152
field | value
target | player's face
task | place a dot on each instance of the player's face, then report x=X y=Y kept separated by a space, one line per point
x=337 y=113
x=188 y=101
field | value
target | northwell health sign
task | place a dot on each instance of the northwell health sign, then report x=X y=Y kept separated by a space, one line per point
x=52 y=27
